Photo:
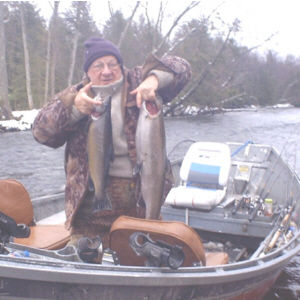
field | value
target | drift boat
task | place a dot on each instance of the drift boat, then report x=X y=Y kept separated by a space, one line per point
x=235 y=209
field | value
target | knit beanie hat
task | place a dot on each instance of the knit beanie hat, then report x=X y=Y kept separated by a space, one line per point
x=98 y=47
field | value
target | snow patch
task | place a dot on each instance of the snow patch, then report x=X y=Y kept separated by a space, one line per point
x=24 y=122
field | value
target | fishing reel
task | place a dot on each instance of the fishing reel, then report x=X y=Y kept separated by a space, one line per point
x=157 y=253
x=90 y=250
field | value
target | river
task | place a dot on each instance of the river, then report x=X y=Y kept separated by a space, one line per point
x=41 y=169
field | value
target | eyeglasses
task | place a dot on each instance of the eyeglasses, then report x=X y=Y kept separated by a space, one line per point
x=112 y=66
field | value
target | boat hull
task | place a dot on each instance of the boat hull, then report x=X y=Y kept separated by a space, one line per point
x=35 y=279
x=253 y=288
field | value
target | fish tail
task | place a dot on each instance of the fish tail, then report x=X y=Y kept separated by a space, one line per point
x=101 y=204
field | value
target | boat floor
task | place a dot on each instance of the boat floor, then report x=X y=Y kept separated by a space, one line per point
x=58 y=218
x=235 y=252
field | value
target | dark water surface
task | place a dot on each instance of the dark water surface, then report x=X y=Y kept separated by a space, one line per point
x=41 y=169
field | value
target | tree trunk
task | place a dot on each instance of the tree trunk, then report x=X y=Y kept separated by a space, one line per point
x=47 y=65
x=49 y=52
x=124 y=32
x=26 y=59
x=53 y=50
x=5 y=109
x=73 y=57
x=75 y=43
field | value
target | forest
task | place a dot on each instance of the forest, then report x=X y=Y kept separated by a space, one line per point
x=39 y=57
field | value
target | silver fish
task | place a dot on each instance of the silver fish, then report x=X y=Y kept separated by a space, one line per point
x=100 y=152
x=151 y=156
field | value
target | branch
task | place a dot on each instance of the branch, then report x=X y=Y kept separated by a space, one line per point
x=175 y=23
x=123 y=34
x=193 y=30
x=181 y=40
x=201 y=77
x=232 y=98
x=111 y=11
x=239 y=60
x=287 y=89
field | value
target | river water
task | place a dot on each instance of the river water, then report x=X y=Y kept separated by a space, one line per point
x=41 y=169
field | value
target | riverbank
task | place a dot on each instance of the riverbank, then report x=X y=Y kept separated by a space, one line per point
x=23 y=121
x=25 y=118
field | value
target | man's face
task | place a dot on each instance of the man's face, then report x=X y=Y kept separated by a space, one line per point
x=104 y=70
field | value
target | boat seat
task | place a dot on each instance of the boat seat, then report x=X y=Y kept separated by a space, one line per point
x=167 y=231
x=173 y=233
x=16 y=203
x=204 y=174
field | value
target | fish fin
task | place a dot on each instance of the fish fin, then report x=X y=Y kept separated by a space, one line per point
x=101 y=204
x=137 y=169
x=91 y=186
x=141 y=202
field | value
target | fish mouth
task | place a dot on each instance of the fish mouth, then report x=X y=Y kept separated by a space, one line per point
x=95 y=115
x=152 y=107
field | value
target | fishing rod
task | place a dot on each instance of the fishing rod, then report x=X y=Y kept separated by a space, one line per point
x=268 y=238
x=282 y=226
x=286 y=220
x=241 y=148
x=179 y=143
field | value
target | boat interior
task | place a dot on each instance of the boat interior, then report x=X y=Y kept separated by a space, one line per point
x=231 y=202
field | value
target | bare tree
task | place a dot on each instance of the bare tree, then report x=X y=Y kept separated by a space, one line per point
x=26 y=58
x=201 y=77
x=158 y=23
x=75 y=41
x=53 y=49
x=175 y=23
x=5 y=110
x=73 y=57
x=123 y=34
x=49 y=61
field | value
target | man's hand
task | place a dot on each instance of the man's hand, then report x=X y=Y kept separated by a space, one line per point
x=83 y=102
x=146 y=90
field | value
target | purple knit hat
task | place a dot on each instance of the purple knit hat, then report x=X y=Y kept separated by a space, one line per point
x=98 y=47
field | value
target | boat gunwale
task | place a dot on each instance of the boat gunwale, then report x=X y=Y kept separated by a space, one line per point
x=149 y=276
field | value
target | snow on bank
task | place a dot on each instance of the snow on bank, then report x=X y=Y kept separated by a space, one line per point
x=26 y=117
x=24 y=122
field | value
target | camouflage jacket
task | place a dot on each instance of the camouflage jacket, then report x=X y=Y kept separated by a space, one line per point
x=52 y=126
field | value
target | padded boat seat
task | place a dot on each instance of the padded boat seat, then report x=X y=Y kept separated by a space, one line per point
x=16 y=203
x=45 y=237
x=170 y=232
x=204 y=174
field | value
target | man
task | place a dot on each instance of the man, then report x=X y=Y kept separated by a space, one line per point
x=67 y=119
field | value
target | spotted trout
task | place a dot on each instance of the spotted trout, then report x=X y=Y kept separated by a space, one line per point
x=100 y=153
x=151 y=156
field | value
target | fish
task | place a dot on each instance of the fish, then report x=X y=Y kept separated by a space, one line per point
x=151 y=156
x=100 y=153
